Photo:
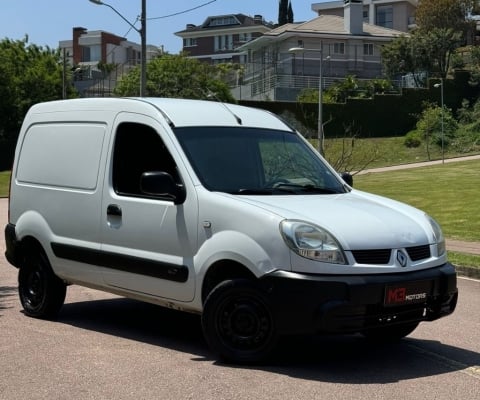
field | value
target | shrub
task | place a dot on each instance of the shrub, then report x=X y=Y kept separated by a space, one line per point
x=466 y=141
x=413 y=139
x=437 y=126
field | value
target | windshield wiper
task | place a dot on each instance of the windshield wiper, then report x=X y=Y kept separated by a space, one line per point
x=291 y=188
x=266 y=191
x=317 y=189
x=307 y=188
x=254 y=191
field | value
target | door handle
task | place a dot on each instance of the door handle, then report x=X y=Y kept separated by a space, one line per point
x=114 y=210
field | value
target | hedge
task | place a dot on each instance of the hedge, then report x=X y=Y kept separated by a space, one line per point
x=384 y=115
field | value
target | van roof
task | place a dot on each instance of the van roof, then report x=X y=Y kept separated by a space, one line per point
x=177 y=112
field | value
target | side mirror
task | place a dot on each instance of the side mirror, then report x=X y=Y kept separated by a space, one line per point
x=348 y=178
x=161 y=184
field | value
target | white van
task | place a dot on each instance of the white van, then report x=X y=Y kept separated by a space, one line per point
x=214 y=209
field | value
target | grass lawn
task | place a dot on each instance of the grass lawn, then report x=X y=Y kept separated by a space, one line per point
x=4 y=183
x=380 y=152
x=464 y=260
x=448 y=192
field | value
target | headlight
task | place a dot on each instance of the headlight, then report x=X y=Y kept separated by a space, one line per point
x=438 y=236
x=312 y=242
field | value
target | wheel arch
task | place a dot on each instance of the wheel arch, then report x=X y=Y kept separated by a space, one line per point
x=230 y=255
x=33 y=232
x=223 y=270
x=27 y=245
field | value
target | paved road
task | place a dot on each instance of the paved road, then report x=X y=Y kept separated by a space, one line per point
x=106 y=347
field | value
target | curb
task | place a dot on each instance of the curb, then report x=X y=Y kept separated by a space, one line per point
x=468 y=272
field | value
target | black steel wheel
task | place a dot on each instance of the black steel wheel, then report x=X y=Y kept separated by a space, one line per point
x=237 y=322
x=41 y=292
x=390 y=333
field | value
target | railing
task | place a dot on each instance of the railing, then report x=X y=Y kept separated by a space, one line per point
x=266 y=86
x=95 y=83
x=273 y=81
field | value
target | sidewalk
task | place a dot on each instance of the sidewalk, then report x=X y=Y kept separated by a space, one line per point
x=418 y=165
x=463 y=247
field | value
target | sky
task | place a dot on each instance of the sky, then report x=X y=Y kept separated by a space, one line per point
x=47 y=22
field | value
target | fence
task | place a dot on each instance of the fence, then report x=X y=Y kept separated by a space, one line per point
x=283 y=87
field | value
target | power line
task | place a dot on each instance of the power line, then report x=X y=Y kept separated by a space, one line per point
x=183 y=12
x=163 y=16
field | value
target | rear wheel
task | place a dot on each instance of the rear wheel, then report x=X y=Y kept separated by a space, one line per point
x=41 y=292
x=390 y=333
x=237 y=322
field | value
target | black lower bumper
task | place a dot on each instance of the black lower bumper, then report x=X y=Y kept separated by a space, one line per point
x=11 y=243
x=354 y=303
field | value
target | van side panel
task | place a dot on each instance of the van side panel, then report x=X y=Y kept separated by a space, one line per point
x=57 y=191
x=62 y=155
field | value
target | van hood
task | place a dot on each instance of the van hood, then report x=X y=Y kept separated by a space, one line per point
x=358 y=220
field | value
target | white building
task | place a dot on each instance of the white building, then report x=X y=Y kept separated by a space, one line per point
x=348 y=45
x=88 y=50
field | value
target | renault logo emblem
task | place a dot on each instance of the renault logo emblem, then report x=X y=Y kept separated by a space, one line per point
x=401 y=258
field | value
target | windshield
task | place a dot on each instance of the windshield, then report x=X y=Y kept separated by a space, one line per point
x=241 y=160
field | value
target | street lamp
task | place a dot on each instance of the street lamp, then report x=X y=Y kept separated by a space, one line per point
x=320 y=134
x=440 y=85
x=143 y=39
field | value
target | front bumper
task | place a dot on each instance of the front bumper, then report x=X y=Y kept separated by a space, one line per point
x=347 y=304
x=11 y=245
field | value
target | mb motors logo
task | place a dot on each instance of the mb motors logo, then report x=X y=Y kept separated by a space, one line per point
x=409 y=293
x=400 y=295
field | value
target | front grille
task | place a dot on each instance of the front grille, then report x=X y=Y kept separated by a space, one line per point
x=418 y=252
x=381 y=256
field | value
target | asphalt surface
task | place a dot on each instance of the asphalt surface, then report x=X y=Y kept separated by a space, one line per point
x=106 y=347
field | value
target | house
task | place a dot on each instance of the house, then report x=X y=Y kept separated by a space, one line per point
x=393 y=14
x=217 y=39
x=337 y=45
x=88 y=50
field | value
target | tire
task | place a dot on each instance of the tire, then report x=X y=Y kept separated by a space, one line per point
x=390 y=333
x=237 y=322
x=41 y=292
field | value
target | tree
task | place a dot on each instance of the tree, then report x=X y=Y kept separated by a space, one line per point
x=106 y=68
x=475 y=7
x=421 y=52
x=430 y=126
x=30 y=74
x=283 y=12
x=177 y=76
x=406 y=55
x=442 y=27
x=290 y=18
x=446 y=14
x=441 y=44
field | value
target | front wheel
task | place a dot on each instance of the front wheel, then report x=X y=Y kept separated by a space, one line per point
x=42 y=293
x=390 y=333
x=237 y=322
